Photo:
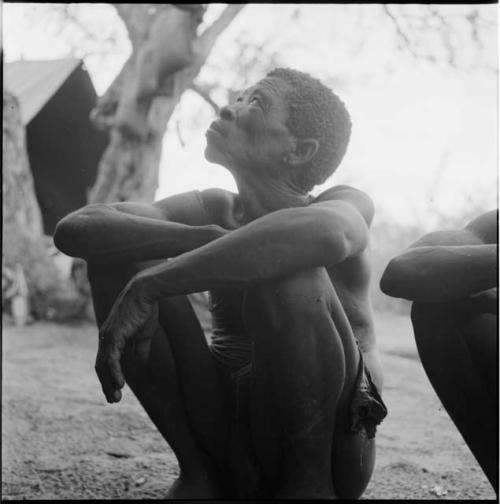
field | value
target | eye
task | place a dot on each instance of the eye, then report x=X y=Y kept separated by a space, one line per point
x=255 y=101
x=239 y=99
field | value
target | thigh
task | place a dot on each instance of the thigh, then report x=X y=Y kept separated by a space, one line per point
x=298 y=325
x=106 y=283
x=196 y=367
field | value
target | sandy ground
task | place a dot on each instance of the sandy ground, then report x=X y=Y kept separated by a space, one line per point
x=61 y=440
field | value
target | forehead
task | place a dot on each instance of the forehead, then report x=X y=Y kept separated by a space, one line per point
x=274 y=87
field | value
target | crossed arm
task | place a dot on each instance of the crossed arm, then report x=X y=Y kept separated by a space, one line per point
x=202 y=256
x=447 y=266
x=205 y=255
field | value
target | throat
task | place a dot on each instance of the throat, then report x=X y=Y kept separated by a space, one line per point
x=259 y=198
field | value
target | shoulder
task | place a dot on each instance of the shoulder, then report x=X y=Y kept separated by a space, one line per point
x=220 y=206
x=485 y=227
x=480 y=231
x=216 y=198
x=186 y=208
x=351 y=196
x=199 y=208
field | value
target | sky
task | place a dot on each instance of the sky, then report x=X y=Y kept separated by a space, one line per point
x=424 y=138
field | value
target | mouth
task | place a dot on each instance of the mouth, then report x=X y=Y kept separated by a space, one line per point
x=217 y=127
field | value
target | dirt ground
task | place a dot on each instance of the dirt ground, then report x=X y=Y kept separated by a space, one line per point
x=61 y=440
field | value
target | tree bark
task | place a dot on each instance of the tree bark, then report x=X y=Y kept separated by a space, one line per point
x=167 y=56
x=20 y=207
x=29 y=273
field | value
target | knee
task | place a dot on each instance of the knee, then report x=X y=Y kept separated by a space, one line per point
x=106 y=283
x=100 y=276
x=289 y=302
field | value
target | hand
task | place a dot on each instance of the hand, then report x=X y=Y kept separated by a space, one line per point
x=133 y=317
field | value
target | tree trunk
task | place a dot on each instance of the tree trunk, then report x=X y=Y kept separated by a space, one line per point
x=30 y=277
x=167 y=56
x=20 y=206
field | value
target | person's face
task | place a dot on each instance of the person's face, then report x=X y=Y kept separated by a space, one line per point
x=251 y=134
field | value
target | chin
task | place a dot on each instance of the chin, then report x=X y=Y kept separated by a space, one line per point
x=213 y=155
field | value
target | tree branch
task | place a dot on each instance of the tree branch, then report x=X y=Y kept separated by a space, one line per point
x=402 y=35
x=207 y=39
x=137 y=19
x=205 y=95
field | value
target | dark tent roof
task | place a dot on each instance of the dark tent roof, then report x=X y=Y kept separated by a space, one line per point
x=64 y=148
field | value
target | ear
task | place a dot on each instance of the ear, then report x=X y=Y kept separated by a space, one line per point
x=304 y=151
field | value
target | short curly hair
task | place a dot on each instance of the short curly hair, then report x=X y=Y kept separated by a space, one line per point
x=315 y=112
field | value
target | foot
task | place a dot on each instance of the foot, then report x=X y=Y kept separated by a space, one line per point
x=306 y=492
x=182 y=488
x=304 y=495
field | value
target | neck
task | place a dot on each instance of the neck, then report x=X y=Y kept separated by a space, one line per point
x=259 y=196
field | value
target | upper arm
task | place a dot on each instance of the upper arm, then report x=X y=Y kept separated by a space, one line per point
x=74 y=231
x=185 y=208
x=193 y=208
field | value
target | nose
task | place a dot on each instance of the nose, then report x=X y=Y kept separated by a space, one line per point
x=227 y=113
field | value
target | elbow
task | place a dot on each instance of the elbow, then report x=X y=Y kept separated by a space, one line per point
x=387 y=281
x=339 y=239
x=340 y=245
x=71 y=234
x=396 y=280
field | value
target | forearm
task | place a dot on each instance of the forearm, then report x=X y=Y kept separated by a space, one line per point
x=118 y=238
x=273 y=246
x=441 y=273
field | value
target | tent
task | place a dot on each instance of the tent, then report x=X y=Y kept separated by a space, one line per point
x=64 y=148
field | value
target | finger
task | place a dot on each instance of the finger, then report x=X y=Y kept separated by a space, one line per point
x=115 y=370
x=116 y=396
x=108 y=388
x=109 y=374
x=104 y=378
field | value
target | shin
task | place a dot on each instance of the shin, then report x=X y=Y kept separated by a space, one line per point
x=302 y=364
x=155 y=381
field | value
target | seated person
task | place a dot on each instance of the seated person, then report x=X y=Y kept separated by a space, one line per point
x=452 y=278
x=285 y=401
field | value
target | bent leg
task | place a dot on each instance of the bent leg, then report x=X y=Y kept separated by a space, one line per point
x=177 y=385
x=458 y=359
x=305 y=365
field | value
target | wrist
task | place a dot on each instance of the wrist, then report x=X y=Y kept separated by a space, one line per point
x=157 y=281
x=143 y=286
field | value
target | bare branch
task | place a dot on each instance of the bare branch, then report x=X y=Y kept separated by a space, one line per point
x=137 y=19
x=400 y=31
x=207 y=39
x=179 y=134
x=204 y=93
x=102 y=115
